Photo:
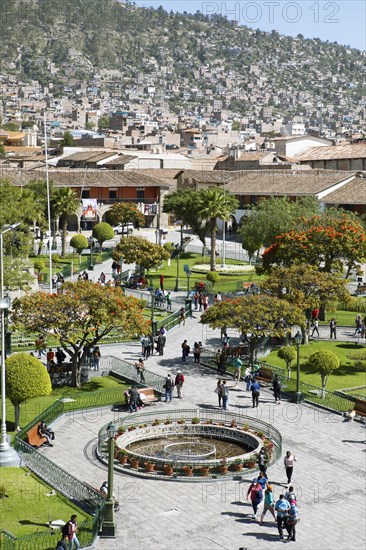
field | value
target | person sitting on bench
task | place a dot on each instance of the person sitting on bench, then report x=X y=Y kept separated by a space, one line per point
x=43 y=431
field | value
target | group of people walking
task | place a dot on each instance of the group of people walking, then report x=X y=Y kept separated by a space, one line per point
x=284 y=511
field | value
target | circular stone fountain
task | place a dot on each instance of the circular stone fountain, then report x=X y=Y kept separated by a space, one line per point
x=220 y=448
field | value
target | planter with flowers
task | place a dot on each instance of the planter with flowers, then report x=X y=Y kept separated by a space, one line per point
x=122 y=456
x=149 y=467
x=223 y=468
x=134 y=463
x=168 y=469
x=237 y=466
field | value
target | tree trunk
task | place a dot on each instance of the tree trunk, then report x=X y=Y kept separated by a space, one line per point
x=76 y=368
x=213 y=244
x=64 y=231
x=305 y=334
x=289 y=373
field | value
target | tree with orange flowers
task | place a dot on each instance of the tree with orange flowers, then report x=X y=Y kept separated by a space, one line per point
x=80 y=317
x=326 y=241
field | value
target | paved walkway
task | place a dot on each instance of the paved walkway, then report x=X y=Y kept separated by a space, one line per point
x=329 y=476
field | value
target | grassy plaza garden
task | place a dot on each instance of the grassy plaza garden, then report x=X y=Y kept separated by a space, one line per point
x=27 y=504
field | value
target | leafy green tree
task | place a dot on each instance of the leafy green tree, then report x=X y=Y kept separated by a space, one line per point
x=65 y=203
x=103 y=123
x=79 y=243
x=185 y=205
x=213 y=277
x=306 y=287
x=80 y=317
x=324 y=362
x=67 y=140
x=274 y=216
x=124 y=213
x=39 y=265
x=11 y=126
x=256 y=317
x=89 y=126
x=2 y=150
x=26 y=377
x=214 y=203
x=140 y=251
x=103 y=232
x=288 y=354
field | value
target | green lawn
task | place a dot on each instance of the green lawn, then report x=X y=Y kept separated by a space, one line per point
x=34 y=407
x=345 y=377
x=344 y=318
x=227 y=282
x=26 y=509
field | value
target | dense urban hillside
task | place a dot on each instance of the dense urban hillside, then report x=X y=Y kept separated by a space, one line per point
x=187 y=56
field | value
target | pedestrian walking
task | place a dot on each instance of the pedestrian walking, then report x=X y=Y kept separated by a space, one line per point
x=255 y=493
x=268 y=503
x=262 y=461
x=277 y=389
x=63 y=543
x=218 y=390
x=182 y=316
x=255 y=389
x=237 y=364
x=168 y=299
x=60 y=356
x=185 y=351
x=225 y=395
x=95 y=360
x=140 y=367
x=168 y=386
x=290 y=495
x=333 y=328
x=179 y=381
x=289 y=465
x=197 y=348
x=358 y=325
x=282 y=508
x=72 y=528
x=248 y=378
x=292 y=520
x=315 y=328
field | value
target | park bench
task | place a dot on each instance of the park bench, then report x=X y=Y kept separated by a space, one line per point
x=34 y=438
x=264 y=376
x=147 y=396
x=361 y=288
x=59 y=370
x=360 y=407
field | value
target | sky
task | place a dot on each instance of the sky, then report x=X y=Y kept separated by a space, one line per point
x=343 y=21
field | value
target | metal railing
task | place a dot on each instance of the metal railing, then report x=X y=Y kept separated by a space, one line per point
x=129 y=373
x=311 y=394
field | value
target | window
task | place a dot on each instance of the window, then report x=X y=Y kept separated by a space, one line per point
x=85 y=194
x=140 y=193
x=113 y=193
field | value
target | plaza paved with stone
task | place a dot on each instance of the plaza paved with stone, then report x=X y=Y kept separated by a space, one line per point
x=329 y=475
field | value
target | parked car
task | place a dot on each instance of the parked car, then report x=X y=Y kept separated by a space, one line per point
x=125 y=229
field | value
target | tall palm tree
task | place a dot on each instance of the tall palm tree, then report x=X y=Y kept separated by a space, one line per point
x=216 y=204
x=65 y=202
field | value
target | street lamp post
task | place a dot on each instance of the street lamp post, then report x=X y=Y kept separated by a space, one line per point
x=176 y=288
x=8 y=455
x=152 y=294
x=188 y=278
x=109 y=522
x=91 y=244
x=298 y=340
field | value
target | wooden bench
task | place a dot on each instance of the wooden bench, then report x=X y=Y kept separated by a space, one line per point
x=34 y=438
x=65 y=368
x=264 y=376
x=360 y=407
x=149 y=396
